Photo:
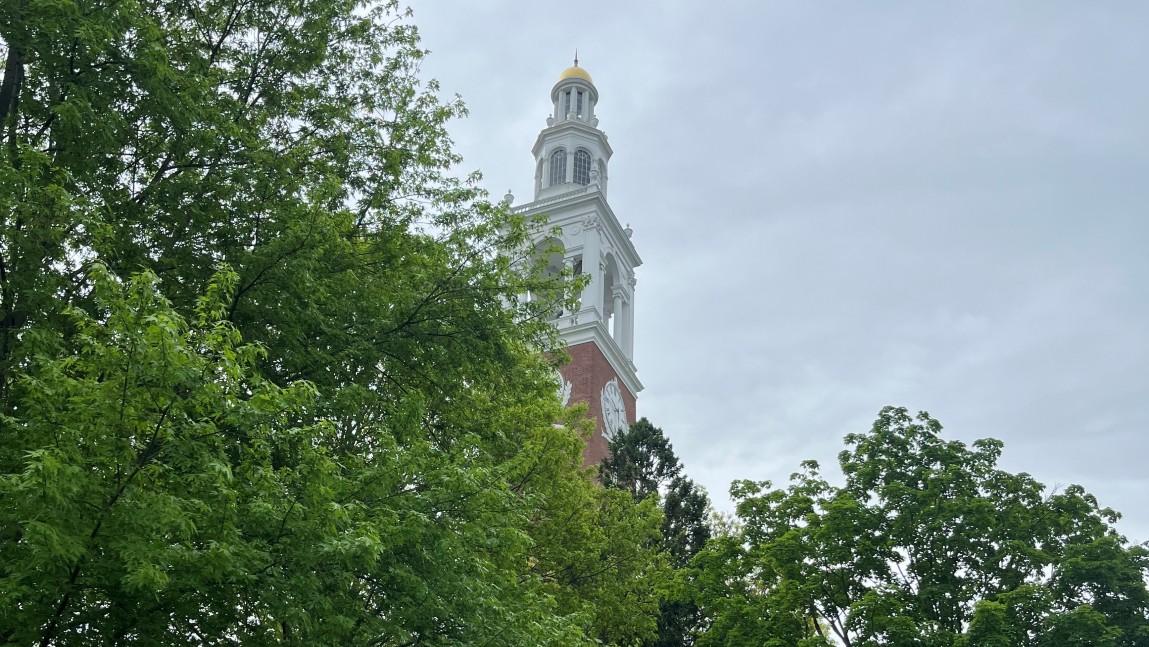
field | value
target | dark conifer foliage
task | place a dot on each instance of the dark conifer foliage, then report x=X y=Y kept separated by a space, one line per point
x=643 y=463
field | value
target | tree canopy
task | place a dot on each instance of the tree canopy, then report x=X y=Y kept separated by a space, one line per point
x=927 y=543
x=265 y=372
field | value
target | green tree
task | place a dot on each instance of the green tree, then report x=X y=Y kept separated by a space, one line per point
x=927 y=543
x=317 y=413
x=642 y=462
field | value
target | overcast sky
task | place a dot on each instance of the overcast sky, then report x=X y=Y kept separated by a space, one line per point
x=845 y=205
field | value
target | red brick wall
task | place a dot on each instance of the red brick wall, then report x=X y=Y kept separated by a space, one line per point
x=589 y=371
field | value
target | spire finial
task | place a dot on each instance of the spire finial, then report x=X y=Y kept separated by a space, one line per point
x=576 y=57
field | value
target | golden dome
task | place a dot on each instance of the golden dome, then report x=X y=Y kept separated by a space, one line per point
x=575 y=72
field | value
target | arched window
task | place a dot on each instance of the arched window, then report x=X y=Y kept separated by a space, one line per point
x=558 y=167
x=582 y=167
x=609 y=281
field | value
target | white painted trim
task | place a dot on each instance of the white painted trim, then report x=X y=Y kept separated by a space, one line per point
x=571 y=199
x=597 y=333
x=587 y=130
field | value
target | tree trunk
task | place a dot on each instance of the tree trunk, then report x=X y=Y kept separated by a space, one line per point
x=10 y=94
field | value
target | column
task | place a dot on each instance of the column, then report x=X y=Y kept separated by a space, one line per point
x=629 y=348
x=591 y=262
x=623 y=325
x=619 y=319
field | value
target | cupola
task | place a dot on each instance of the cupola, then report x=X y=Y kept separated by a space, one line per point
x=574 y=96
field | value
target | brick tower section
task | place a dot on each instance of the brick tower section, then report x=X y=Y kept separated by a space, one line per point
x=588 y=372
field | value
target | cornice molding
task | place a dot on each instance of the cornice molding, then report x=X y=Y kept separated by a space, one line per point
x=550 y=132
x=595 y=332
x=578 y=197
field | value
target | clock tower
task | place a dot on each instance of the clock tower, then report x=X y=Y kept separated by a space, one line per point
x=570 y=191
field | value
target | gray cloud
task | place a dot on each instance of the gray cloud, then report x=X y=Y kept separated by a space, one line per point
x=842 y=206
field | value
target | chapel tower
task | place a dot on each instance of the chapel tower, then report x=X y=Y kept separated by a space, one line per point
x=571 y=157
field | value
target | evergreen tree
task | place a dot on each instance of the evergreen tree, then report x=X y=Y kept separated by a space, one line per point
x=642 y=462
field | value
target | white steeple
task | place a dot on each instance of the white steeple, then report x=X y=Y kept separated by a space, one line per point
x=571 y=156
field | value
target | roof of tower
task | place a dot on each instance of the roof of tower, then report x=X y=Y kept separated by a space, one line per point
x=575 y=72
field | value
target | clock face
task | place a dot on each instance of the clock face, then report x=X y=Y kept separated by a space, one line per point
x=613 y=409
x=564 y=391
